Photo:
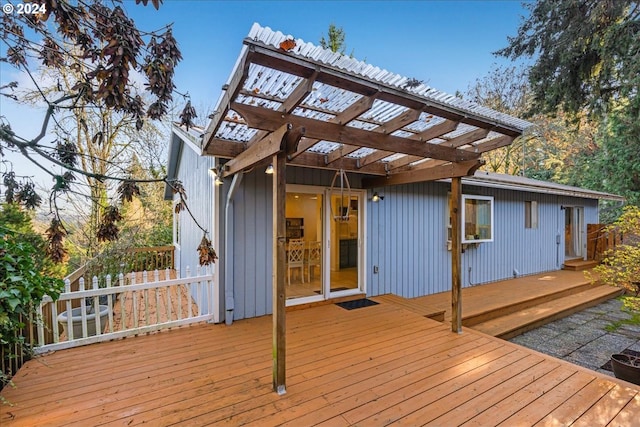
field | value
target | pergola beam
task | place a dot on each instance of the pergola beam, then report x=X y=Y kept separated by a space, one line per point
x=266 y=147
x=354 y=110
x=447 y=170
x=271 y=120
x=393 y=125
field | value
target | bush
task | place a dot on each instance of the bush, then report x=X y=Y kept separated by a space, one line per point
x=22 y=288
x=621 y=265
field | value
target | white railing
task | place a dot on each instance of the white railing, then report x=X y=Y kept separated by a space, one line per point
x=126 y=308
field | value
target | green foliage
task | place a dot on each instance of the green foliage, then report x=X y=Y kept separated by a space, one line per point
x=621 y=265
x=16 y=218
x=586 y=52
x=630 y=305
x=22 y=287
x=335 y=39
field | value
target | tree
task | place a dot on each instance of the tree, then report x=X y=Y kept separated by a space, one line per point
x=335 y=40
x=545 y=151
x=588 y=67
x=587 y=53
x=105 y=50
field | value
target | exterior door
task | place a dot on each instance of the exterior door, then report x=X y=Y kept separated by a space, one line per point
x=573 y=232
x=329 y=226
x=305 y=249
x=345 y=242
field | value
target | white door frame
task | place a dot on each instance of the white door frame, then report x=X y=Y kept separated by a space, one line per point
x=326 y=241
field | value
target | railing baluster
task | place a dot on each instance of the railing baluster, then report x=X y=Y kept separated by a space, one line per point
x=67 y=289
x=54 y=322
x=123 y=300
x=134 y=301
x=189 y=302
x=147 y=315
x=110 y=302
x=83 y=310
x=156 y=276
x=40 y=325
x=168 y=310
x=96 y=307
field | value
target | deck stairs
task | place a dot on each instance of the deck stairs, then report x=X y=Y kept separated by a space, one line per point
x=579 y=264
x=529 y=303
x=518 y=318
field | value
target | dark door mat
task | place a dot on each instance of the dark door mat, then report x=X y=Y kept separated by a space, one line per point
x=607 y=366
x=356 y=303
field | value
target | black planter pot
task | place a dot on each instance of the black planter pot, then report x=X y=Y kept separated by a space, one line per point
x=626 y=367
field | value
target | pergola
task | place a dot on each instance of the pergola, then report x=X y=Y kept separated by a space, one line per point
x=290 y=103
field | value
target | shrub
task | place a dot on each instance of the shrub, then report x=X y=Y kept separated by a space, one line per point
x=22 y=288
x=621 y=265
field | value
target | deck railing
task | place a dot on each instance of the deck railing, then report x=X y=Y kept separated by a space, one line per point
x=129 y=305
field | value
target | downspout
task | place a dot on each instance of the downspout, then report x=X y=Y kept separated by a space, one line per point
x=228 y=249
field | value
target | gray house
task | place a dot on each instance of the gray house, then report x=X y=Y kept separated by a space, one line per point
x=370 y=158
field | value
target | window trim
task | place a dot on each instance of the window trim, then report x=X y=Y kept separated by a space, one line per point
x=177 y=227
x=531 y=214
x=466 y=197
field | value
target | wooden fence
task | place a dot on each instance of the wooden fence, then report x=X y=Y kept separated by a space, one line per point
x=601 y=239
x=129 y=305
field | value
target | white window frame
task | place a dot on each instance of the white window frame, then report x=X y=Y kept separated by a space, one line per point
x=177 y=229
x=530 y=214
x=466 y=197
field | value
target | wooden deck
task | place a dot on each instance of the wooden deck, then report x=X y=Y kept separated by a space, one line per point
x=377 y=365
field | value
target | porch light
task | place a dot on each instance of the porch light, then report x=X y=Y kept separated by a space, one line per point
x=218 y=180
x=376 y=197
x=269 y=170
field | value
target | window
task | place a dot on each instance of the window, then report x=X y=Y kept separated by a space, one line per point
x=176 y=225
x=477 y=219
x=530 y=214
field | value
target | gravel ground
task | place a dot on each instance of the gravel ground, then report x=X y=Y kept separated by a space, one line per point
x=582 y=338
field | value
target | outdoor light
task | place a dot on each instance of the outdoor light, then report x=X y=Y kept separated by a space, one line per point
x=218 y=181
x=269 y=170
x=376 y=197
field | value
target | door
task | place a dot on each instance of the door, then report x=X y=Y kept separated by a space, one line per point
x=305 y=236
x=329 y=227
x=573 y=232
x=345 y=238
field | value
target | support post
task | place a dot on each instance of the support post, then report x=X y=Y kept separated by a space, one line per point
x=455 y=214
x=279 y=267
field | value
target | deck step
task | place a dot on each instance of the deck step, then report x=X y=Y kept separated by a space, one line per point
x=579 y=265
x=492 y=312
x=516 y=323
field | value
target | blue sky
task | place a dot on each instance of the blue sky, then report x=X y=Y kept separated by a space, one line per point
x=446 y=44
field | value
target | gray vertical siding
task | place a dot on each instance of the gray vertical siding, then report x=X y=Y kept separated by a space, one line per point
x=407 y=239
x=193 y=173
x=406 y=234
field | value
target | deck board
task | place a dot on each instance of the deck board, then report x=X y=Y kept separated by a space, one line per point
x=371 y=366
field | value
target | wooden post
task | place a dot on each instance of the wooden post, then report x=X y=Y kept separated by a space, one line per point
x=456 y=254
x=279 y=267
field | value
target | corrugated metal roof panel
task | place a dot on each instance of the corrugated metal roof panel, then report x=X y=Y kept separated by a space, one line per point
x=355 y=67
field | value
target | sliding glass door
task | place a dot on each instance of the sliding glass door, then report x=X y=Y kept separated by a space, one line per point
x=324 y=236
